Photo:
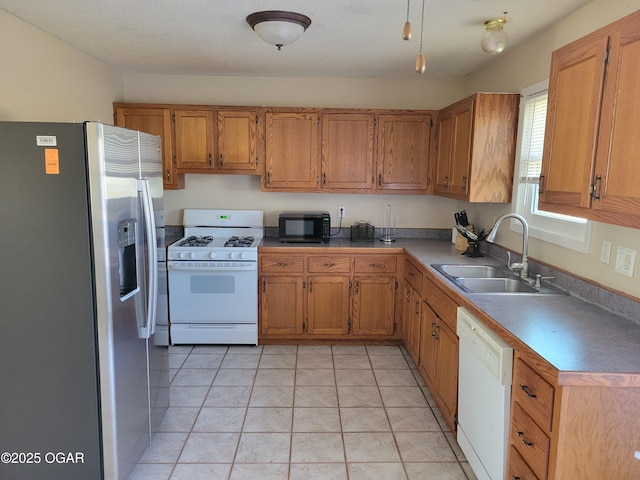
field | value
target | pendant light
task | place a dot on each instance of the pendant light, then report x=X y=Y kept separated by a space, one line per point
x=406 y=31
x=421 y=64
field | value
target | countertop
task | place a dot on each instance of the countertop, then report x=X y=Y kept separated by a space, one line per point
x=569 y=333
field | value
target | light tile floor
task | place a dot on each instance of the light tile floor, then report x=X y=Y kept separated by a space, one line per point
x=286 y=412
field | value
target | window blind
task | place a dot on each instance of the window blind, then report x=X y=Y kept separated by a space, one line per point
x=535 y=115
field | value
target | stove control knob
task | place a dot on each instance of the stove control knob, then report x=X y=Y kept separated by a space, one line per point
x=182 y=254
x=241 y=255
x=212 y=255
x=192 y=255
x=230 y=255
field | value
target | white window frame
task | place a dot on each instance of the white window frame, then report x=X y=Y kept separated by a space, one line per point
x=569 y=232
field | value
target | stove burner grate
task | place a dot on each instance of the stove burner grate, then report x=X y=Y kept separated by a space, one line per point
x=236 y=241
x=194 y=241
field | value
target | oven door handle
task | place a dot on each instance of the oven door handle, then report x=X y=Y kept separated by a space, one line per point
x=207 y=266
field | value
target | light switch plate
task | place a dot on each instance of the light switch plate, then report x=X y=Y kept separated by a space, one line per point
x=605 y=253
x=625 y=261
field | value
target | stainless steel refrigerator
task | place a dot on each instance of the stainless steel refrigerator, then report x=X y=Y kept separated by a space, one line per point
x=82 y=384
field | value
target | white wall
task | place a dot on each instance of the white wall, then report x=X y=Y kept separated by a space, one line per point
x=524 y=66
x=44 y=79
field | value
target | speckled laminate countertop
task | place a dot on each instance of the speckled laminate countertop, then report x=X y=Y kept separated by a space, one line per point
x=569 y=333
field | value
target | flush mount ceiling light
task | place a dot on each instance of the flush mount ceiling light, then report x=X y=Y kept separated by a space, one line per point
x=278 y=27
x=494 y=39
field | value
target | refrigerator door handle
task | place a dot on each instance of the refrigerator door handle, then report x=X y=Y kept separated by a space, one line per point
x=152 y=258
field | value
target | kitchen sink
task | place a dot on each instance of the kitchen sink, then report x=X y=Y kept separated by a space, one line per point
x=470 y=271
x=490 y=279
x=496 y=285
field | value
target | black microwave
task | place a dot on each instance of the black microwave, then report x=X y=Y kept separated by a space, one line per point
x=304 y=226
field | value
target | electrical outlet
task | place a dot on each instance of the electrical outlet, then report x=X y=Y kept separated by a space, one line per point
x=605 y=253
x=341 y=211
x=625 y=261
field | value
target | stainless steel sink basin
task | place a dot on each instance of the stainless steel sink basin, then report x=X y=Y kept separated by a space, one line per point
x=469 y=271
x=490 y=279
x=496 y=285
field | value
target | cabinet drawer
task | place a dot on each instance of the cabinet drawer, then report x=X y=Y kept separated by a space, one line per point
x=281 y=263
x=413 y=275
x=518 y=468
x=375 y=264
x=328 y=264
x=534 y=394
x=444 y=307
x=530 y=441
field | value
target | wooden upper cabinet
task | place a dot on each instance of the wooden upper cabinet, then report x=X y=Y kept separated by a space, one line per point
x=237 y=141
x=403 y=152
x=590 y=162
x=194 y=140
x=292 y=151
x=573 y=110
x=347 y=151
x=476 y=148
x=156 y=121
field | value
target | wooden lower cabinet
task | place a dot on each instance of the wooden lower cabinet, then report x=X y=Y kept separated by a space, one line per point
x=439 y=349
x=411 y=323
x=565 y=425
x=328 y=305
x=337 y=296
x=281 y=308
x=374 y=305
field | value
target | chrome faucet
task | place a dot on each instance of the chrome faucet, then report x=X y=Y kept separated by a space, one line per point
x=523 y=266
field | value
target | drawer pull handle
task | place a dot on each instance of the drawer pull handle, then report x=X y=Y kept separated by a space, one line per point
x=327 y=265
x=282 y=264
x=516 y=478
x=526 y=443
x=526 y=390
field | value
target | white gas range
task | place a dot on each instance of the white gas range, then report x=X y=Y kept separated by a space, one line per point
x=213 y=277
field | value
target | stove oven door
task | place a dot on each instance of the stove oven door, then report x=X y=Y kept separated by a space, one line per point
x=221 y=292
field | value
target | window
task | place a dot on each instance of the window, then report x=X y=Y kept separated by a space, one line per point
x=563 y=230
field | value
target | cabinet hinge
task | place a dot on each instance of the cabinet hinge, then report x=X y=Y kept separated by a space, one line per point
x=395 y=327
x=455 y=419
x=304 y=284
x=173 y=117
x=304 y=326
x=606 y=55
x=375 y=122
x=431 y=122
x=396 y=284
x=256 y=119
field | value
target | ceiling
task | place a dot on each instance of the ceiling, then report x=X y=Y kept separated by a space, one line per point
x=347 y=38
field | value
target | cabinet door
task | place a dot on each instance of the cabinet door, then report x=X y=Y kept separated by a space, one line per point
x=156 y=121
x=347 y=151
x=328 y=305
x=428 y=345
x=291 y=151
x=237 y=140
x=194 y=140
x=573 y=110
x=403 y=152
x=445 y=148
x=447 y=373
x=281 y=305
x=461 y=154
x=411 y=322
x=617 y=168
x=374 y=305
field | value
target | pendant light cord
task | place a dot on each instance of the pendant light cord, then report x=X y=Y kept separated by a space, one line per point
x=408 y=1
x=421 y=27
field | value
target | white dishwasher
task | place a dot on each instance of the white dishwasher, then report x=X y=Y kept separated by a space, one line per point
x=484 y=395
